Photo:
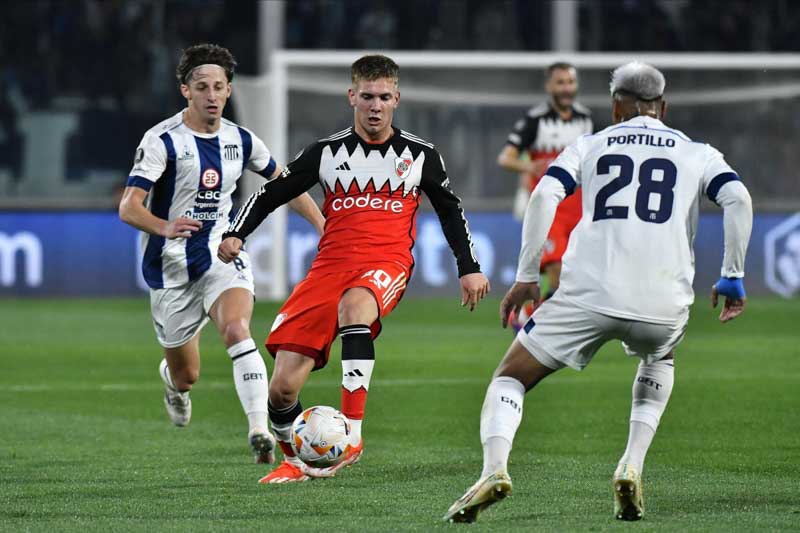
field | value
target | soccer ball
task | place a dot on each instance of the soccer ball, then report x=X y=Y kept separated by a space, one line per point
x=320 y=436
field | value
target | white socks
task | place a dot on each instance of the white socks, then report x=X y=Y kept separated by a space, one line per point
x=495 y=455
x=356 y=374
x=355 y=431
x=500 y=417
x=250 y=378
x=651 y=390
x=502 y=413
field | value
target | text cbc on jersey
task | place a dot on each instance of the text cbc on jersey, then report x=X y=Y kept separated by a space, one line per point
x=367 y=201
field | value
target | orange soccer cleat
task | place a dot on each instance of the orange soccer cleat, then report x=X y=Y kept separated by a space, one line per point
x=285 y=472
x=351 y=456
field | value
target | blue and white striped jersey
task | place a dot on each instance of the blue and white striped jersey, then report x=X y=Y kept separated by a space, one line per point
x=192 y=174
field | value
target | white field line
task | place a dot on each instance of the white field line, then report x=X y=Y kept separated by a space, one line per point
x=321 y=383
x=156 y=385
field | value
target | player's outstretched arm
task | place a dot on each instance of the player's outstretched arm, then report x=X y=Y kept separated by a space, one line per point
x=436 y=185
x=535 y=226
x=539 y=217
x=133 y=212
x=474 y=285
x=737 y=223
x=516 y=297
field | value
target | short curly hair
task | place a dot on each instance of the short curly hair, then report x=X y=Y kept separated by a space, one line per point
x=374 y=67
x=204 y=54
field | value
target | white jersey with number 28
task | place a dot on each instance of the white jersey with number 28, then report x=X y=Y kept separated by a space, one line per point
x=631 y=254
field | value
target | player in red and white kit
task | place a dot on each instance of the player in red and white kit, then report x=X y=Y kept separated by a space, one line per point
x=372 y=175
x=544 y=132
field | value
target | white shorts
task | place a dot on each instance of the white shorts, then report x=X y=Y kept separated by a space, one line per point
x=562 y=334
x=180 y=312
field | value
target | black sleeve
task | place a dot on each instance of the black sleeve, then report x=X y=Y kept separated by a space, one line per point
x=524 y=133
x=436 y=185
x=298 y=177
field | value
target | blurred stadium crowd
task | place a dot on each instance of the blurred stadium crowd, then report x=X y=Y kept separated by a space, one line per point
x=56 y=48
x=111 y=62
x=653 y=25
x=82 y=52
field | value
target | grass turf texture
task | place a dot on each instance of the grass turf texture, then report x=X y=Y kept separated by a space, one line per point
x=85 y=443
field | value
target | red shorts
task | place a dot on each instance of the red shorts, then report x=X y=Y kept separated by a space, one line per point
x=309 y=320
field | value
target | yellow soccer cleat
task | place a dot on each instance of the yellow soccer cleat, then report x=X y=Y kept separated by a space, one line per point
x=486 y=491
x=628 y=498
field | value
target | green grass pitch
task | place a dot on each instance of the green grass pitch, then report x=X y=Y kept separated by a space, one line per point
x=85 y=444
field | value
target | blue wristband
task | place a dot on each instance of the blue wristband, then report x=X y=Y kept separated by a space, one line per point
x=731 y=288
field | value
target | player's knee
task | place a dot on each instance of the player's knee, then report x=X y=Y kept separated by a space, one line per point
x=347 y=309
x=282 y=392
x=346 y=315
x=520 y=365
x=357 y=306
x=510 y=370
x=235 y=331
x=185 y=377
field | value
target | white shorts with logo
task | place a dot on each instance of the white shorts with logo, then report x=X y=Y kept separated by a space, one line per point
x=562 y=334
x=180 y=312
